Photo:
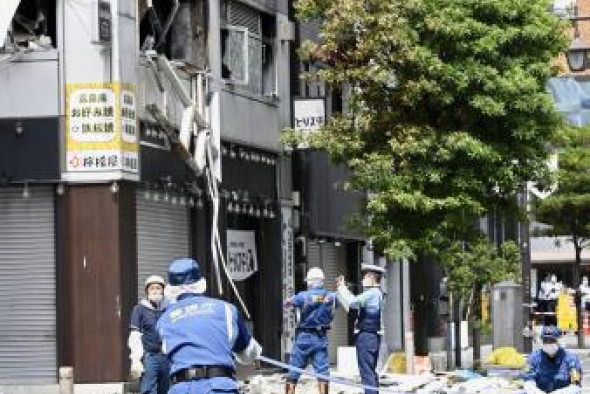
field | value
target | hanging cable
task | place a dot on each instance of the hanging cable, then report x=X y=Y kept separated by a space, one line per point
x=214 y=193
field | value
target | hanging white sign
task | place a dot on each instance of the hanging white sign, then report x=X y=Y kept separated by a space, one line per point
x=241 y=254
x=309 y=115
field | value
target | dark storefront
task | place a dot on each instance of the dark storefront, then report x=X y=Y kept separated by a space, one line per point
x=250 y=207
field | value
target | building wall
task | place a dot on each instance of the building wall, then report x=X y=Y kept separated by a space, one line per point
x=30 y=86
x=257 y=120
x=96 y=246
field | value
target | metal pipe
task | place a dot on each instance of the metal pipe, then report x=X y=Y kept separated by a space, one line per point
x=168 y=24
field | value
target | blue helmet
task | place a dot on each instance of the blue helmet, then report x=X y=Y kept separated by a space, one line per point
x=550 y=332
x=184 y=271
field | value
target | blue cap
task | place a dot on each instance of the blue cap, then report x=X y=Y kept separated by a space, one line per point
x=184 y=271
x=550 y=332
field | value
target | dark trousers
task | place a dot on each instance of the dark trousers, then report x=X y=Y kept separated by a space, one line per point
x=155 y=379
x=550 y=320
x=367 y=353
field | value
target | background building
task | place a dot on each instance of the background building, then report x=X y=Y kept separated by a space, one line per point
x=96 y=192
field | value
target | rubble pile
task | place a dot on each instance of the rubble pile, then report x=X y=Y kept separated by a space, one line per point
x=458 y=382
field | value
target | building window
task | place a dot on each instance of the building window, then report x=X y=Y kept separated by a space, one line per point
x=33 y=26
x=247 y=48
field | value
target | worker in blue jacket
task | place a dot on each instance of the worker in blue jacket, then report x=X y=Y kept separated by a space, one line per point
x=552 y=369
x=147 y=360
x=201 y=335
x=369 y=325
x=316 y=309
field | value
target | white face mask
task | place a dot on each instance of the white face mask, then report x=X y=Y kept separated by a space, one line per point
x=553 y=278
x=550 y=349
x=155 y=298
x=367 y=282
x=585 y=281
x=314 y=283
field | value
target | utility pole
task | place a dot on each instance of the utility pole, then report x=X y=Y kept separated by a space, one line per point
x=407 y=316
x=525 y=253
x=449 y=338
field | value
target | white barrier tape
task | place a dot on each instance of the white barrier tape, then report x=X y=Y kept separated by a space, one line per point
x=333 y=379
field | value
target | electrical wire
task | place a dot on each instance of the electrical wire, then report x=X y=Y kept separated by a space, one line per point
x=214 y=193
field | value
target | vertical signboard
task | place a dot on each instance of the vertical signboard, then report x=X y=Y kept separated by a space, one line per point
x=288 y=260
x=309 y=114
x=242 y=261
x=101 y=132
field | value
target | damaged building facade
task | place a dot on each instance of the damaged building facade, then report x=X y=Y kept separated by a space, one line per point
x=119 y=120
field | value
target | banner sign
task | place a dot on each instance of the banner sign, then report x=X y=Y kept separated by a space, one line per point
x=287 y=246
x=101 y=130
x=241 y=254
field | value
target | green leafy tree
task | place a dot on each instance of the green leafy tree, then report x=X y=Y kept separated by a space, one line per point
x=567 y=210
x=471 y=267
x=447 y=110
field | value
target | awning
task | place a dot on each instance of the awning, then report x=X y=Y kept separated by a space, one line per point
x=554 y=250
x=7 y=10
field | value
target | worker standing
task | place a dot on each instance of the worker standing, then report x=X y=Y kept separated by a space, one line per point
x=316 y=306
x=369 y=325
x=147 y=360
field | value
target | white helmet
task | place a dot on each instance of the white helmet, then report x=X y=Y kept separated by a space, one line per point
x=315 y=274
x=154 y=279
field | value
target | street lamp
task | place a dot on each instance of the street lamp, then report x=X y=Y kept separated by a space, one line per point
x=577 y=54
x=579 y=49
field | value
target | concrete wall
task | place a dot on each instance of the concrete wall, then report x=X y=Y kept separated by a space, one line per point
x=257 y=120
x=30 y=85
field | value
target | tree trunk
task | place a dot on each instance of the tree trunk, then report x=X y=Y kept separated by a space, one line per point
x=476 y=327
x=576 y=285
x=458 y=316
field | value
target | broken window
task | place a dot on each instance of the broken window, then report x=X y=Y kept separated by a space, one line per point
x=154 y=21
x=27 y=24
x=247 y=48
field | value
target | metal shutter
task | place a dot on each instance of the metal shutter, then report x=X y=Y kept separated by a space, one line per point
x=239 y=14
x=332 y=260
x=162 y=234
x=27 y=287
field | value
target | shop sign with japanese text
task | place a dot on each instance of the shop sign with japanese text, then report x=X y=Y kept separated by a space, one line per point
x=101 y=130
x=241 y=254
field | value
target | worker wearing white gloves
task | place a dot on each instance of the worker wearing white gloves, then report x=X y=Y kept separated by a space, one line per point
x=369 y=325
x=148 y=362
x=553 y=369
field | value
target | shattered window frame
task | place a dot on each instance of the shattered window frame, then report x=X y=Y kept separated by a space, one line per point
x=257 y=53
x=32 y=27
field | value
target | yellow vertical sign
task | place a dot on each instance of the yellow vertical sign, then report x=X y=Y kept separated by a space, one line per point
x=101 y=130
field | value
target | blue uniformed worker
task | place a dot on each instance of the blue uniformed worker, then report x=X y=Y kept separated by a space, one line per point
x=202 y=335
x=316 y=306
x=369 y=326
x=144 y=342
x=553 y=369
